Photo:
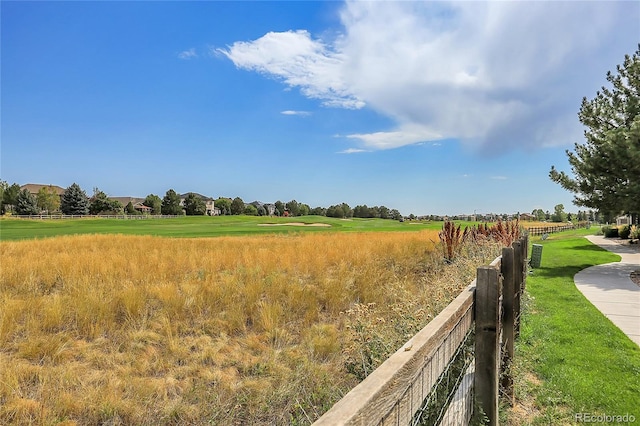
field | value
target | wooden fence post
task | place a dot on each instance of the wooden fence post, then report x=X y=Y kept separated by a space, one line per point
x=508 y=270
x=517 y=284
x=487 y=346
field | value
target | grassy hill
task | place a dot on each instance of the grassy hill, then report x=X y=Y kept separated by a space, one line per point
x=199 y=226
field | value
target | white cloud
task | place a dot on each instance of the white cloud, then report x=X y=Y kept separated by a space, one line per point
x=188 y=54
x=300 y=62
x=494 y=74
x=300 y=113
x=405 y=135
x=352 y=151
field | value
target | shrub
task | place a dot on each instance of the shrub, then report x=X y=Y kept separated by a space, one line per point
x=624 y=232
x=451 y=238
x=610 y=231
x=635 y=232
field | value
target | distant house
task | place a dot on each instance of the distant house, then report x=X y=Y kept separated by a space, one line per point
x=527 y=216
x=34 y=188
x=623 y=220
x=135 y=201
x=270 y=208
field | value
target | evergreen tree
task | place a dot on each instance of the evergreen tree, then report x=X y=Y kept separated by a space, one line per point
x=99 y=203
x=129 y=209
x=9 y=196
x=26 y=203
x=171 y=203
x=606 y=168
x=293 y=207
x=237 y=206
x=74 y=201
x=280 y=207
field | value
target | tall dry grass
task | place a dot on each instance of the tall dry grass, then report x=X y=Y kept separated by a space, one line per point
x=244 y=330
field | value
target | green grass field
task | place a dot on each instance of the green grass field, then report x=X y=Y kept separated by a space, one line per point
x=570 y=358
x=198 y=226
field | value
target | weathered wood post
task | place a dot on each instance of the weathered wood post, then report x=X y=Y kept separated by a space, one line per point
x=488 y=287
x=517 y=284
x=508 y=269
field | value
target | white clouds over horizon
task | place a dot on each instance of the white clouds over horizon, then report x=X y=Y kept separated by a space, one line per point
x=496 y=75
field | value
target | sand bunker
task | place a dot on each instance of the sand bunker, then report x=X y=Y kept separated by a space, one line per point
x=293 y=224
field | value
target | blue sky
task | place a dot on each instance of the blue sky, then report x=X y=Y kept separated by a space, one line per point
x=427 y=107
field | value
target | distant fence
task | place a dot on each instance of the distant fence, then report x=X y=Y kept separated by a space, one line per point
x=540 y=230
x=110 y=216
x=455 y=363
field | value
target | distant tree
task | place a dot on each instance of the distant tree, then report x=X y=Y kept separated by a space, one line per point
x=279 y=208
x=384 y=212
x=194 y=205
x=547 y=215
x=558 y=213
x=318 y=211
x=304 y=210
x=154 y=202
x=335 y=211
x=3 y=187
x=48 y=199
x=346 y=209
x=374 y=211
x=606 y=169
x=99 y=203
x=237 y=206
x=171 y=203
x=10 y=197
x=262 y=211
x=74 y=201
x=224 y=204
x=129 y=209
x=250 y=210
x=293 y=207
x=395 y=214
x=26 y=203
x=539 y=214
x=361 y=211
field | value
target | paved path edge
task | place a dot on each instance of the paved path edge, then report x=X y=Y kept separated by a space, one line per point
x=610 y=289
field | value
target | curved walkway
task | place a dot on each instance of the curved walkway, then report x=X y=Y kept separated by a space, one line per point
x=610 y=289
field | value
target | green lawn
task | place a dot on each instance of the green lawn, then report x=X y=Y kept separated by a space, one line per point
x=570 y=358
x=196 y=226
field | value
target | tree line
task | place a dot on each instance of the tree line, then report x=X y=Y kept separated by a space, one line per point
x=74 y=201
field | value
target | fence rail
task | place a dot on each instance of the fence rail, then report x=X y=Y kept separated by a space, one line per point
x=76 y=216
x=400 y=391
x=539 y=230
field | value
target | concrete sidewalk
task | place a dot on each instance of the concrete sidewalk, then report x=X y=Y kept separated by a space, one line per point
x=610 y=289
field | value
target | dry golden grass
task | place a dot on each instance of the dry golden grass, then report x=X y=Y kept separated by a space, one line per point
x=239 y=330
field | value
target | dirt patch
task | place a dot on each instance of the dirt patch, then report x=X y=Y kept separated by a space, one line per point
x=293 y=224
